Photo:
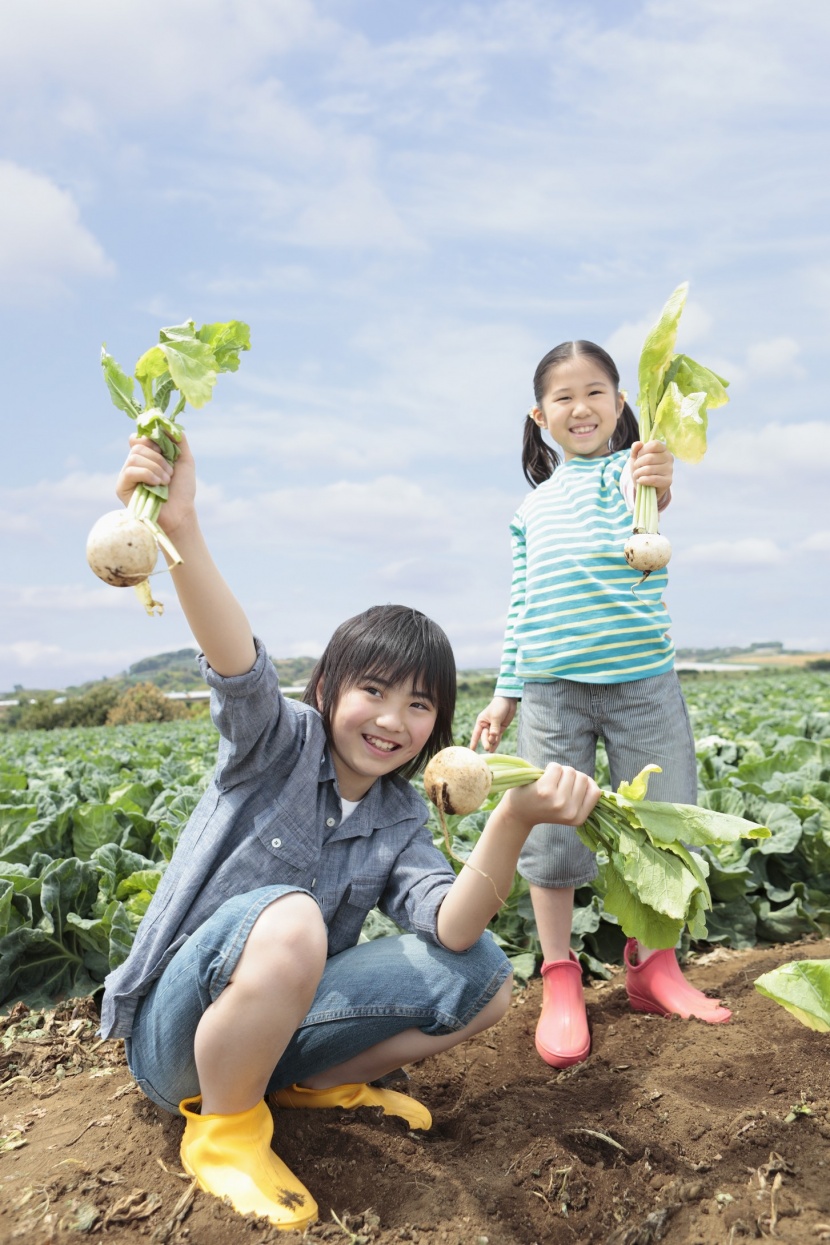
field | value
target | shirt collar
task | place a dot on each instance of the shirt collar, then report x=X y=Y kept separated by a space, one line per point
x=388 y=801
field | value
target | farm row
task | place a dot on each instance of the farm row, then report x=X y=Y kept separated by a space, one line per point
x=89 y=818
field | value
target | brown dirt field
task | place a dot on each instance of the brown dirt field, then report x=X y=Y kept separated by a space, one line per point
x=672 y=1131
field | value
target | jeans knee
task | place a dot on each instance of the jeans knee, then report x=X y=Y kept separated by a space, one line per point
x=496 y=1009
x=502 y=998
x=289 y=936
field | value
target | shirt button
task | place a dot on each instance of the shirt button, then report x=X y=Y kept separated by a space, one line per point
x=276 y=842
x=330 y=821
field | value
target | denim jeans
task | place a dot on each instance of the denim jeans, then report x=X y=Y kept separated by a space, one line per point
x=367 y=993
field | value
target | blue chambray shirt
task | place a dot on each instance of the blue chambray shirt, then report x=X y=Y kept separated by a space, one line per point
x=272 y=815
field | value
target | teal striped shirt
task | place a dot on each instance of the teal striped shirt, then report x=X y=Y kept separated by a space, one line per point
x=576 y=611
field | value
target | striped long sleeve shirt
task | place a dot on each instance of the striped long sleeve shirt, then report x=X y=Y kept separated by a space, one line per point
x=577 y=610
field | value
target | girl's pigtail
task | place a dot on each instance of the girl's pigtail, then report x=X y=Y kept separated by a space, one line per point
x=539 y=460
x=626 y=432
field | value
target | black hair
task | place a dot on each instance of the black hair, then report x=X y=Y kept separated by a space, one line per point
x=539 y=460
x=394 y=644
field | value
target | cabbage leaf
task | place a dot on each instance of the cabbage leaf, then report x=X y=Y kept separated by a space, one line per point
x=803 y=988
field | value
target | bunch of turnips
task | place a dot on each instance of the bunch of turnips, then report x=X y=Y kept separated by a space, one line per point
x=122 y=548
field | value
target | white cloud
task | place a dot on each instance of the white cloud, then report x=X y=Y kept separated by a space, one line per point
x=27 y=653
x=303 y=440
x=55 y=599
x=818 y=542
x=13 y=523
x=776 y=357
x=410 y=205
x=772 y=450
x=736 y=555
x=43 y=243
x=75 y=499
x=97 y=51
x=24 y=656
x=343 y=513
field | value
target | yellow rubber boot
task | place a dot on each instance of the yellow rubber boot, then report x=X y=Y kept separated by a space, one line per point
x=231 y=1156
x=351 y=1096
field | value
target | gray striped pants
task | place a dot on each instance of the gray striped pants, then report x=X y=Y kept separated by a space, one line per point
x=642 y=722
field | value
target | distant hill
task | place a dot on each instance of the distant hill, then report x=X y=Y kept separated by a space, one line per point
x=171 y=672
x=178 y=672
x=762 y=653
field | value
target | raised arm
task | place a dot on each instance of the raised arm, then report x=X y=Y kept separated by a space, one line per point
x=217 y=620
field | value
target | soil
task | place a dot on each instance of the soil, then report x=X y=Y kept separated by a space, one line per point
x=672 y=1131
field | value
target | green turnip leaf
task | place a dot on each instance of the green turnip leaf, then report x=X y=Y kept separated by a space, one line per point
x=120 y=385
x=688 y=823
x=226 y=341
x=656 y=356
x=680 y=422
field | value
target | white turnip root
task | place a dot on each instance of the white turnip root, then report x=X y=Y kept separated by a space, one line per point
x=121 y=549
x=457 y=780
x=647 y=551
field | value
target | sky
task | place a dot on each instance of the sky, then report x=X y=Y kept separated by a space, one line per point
x=410 y=204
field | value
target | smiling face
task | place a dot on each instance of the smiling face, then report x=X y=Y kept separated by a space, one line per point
x=580 y=407
x=376 y=727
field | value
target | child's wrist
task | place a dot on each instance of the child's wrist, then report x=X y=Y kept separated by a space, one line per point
x=516 y=816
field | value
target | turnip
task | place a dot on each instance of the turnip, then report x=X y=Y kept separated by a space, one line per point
x=458 y=781
x=123 y=546
x=121 y=549
x=647 y=551
x=675 y=394
x=652 y=883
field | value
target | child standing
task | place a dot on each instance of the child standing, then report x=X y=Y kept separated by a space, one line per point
x=587 y=651
x=245 y=978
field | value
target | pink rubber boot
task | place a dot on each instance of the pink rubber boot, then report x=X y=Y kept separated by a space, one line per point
x=657 y=985
x=562 y=1036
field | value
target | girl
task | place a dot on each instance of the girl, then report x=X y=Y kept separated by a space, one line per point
x=589 y=656
x=245 y=979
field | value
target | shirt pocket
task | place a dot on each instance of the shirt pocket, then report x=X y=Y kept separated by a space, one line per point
x=360 y=896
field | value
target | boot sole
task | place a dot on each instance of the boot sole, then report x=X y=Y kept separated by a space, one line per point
x=643 y=1005
x=562 y=1061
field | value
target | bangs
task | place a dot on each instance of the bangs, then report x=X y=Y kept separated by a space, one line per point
x=423 y=673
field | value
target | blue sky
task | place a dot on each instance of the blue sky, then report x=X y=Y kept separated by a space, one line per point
x=409 y=204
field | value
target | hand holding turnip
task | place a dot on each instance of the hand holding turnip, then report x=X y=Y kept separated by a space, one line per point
x=458 y=781
x=122 y=549
x=146 y=465
x=653 y=465
x=563 y=795
x=652 y=472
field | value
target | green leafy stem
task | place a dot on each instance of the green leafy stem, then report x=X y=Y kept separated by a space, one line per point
x=185 y=363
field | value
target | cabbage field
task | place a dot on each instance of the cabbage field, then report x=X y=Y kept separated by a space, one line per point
x=89 y=818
